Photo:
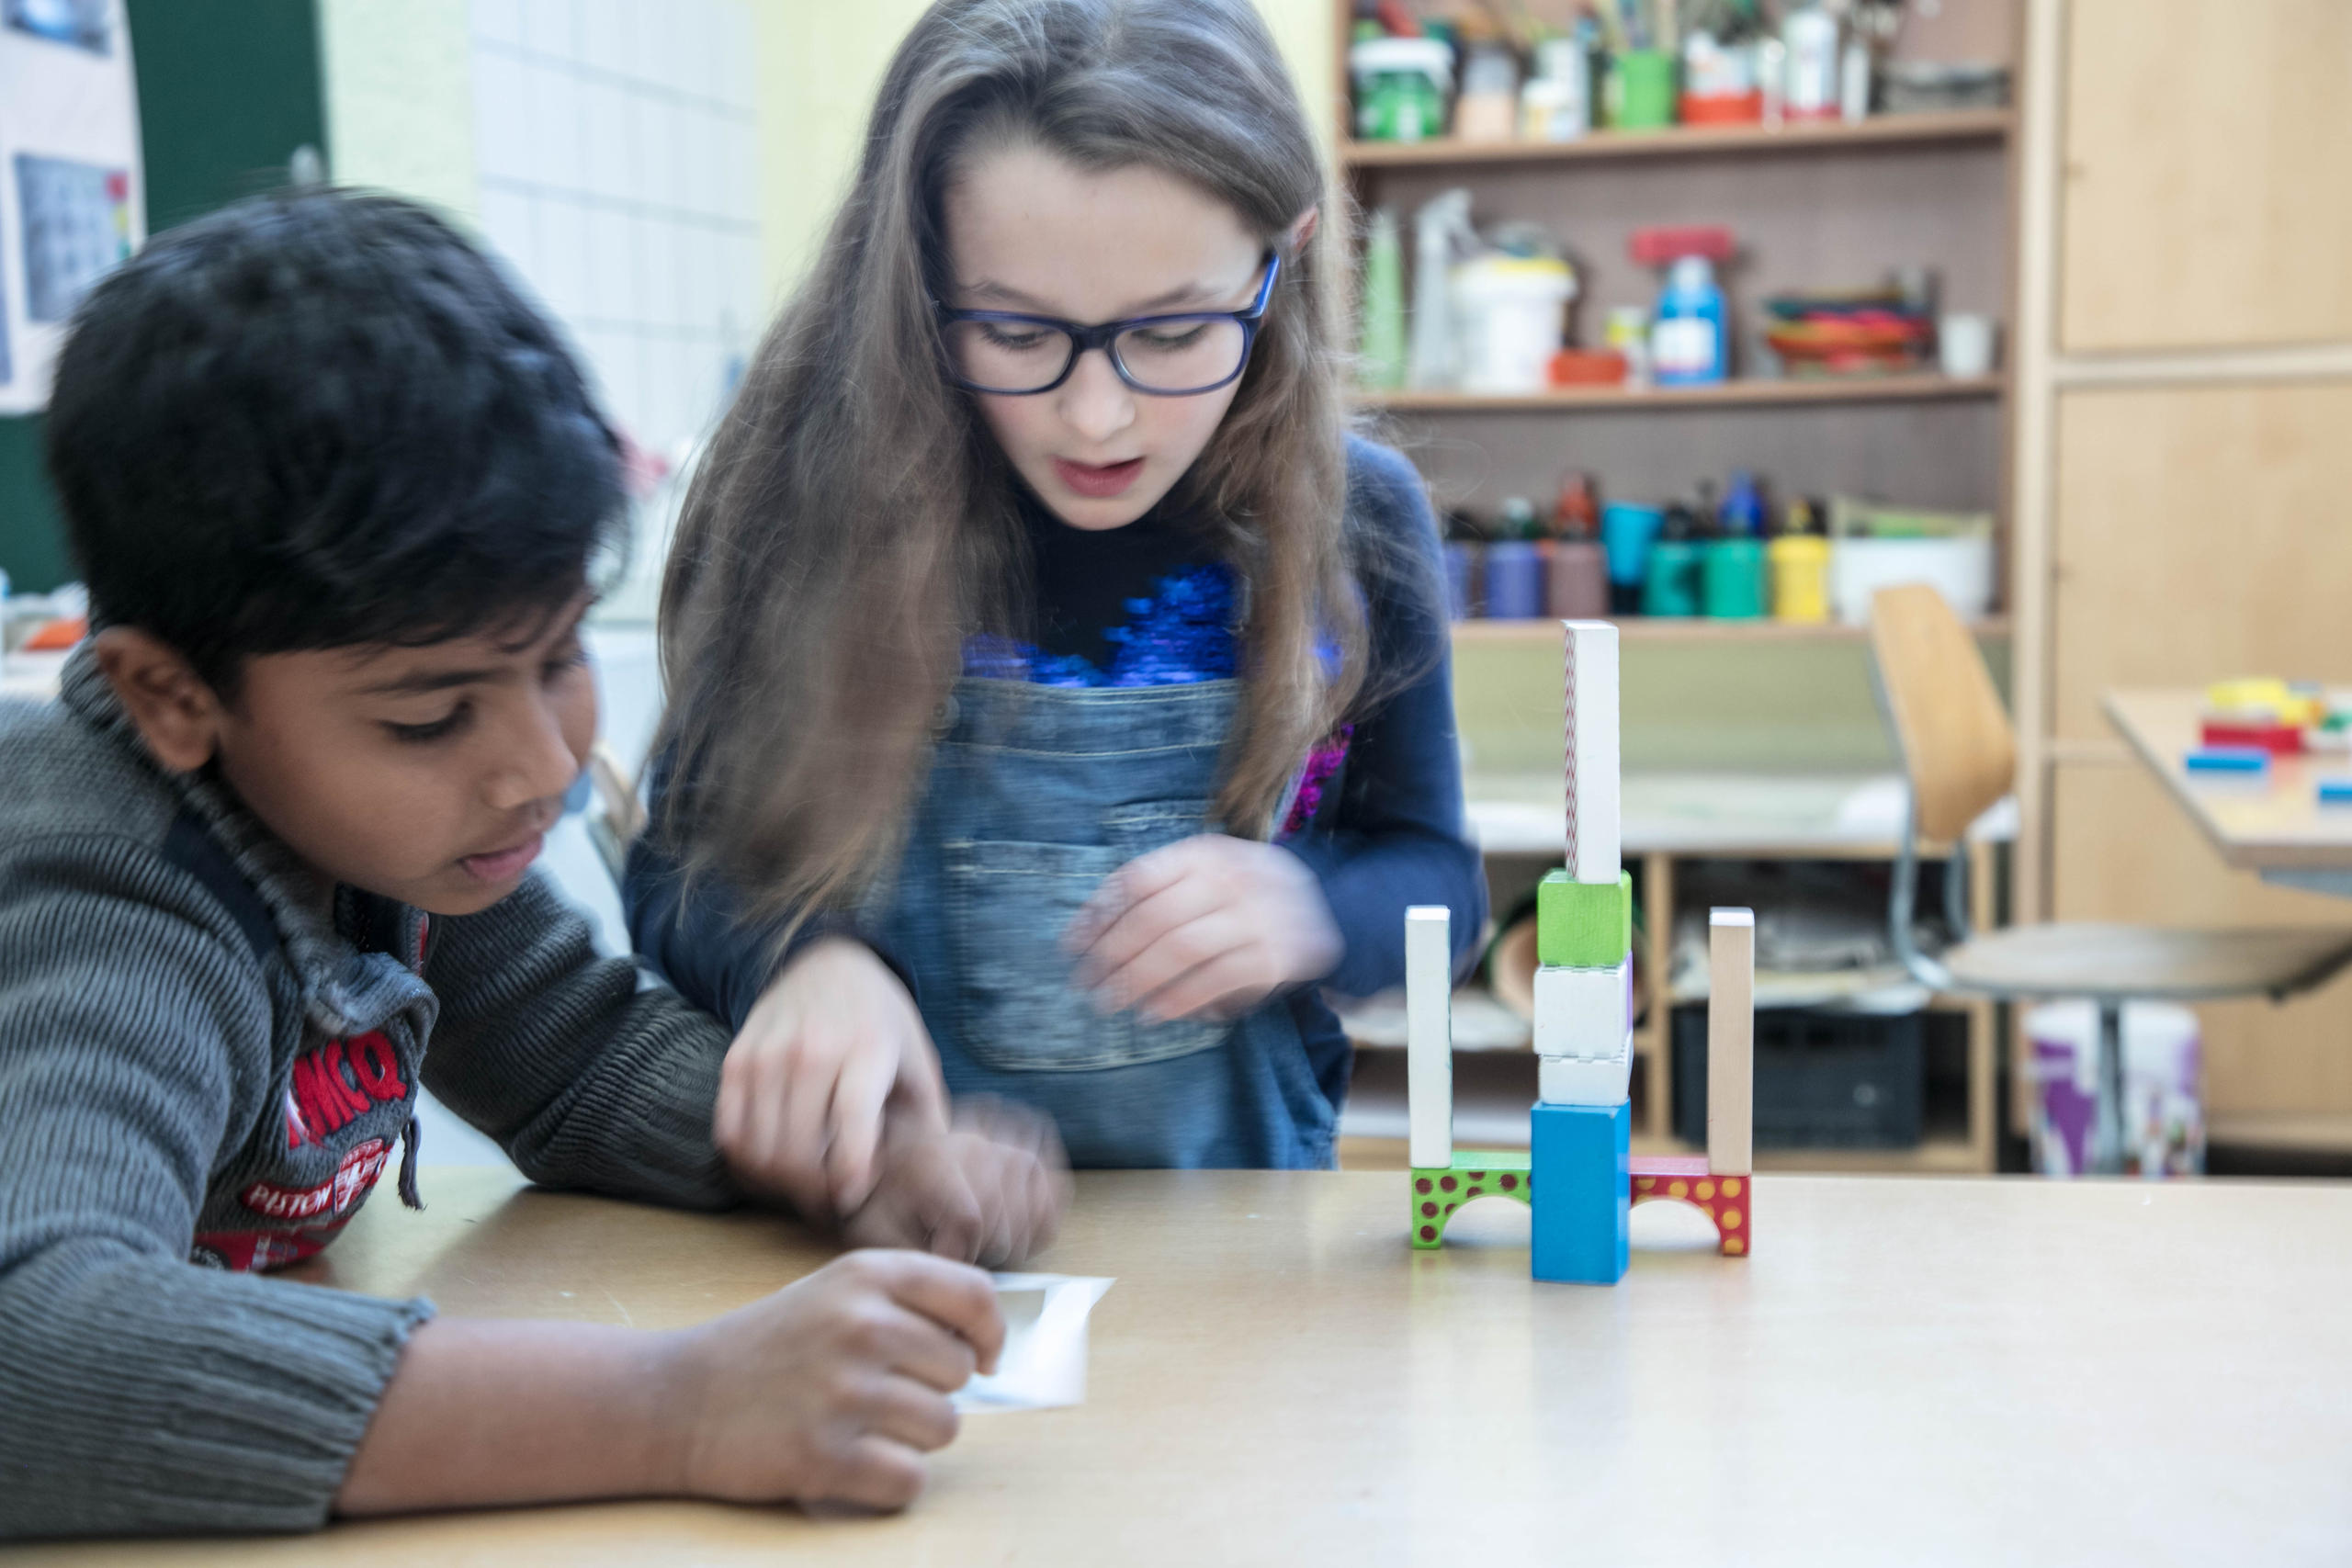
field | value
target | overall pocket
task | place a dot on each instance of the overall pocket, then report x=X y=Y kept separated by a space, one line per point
x=1017 y=1008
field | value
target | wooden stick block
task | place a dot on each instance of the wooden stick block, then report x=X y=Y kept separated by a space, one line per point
x=1429 y=1033
x=1592 y=755
x=1730 y=1041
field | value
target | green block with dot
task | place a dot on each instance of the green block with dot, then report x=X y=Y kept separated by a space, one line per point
x=1438 y=1190
x=1584 y=925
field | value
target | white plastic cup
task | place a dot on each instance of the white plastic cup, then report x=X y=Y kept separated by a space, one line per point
x=1964 y=344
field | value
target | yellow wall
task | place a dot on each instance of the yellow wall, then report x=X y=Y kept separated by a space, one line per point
x=819 y=65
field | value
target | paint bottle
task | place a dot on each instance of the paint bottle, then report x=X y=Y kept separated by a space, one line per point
x=1517 y=564
x=1628 y=533
x=1380 y=362
x=1579 y=589
x=1732 y=579
x=1671 y=584
x=1798 y=560
x=1688 y=347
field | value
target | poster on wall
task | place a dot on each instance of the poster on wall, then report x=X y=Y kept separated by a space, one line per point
x=72 y=195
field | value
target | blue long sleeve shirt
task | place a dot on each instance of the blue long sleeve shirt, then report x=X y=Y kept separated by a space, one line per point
x=1381 y=831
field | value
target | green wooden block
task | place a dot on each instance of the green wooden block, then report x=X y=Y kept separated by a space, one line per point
x=1476 y=1173
x=1584 y=925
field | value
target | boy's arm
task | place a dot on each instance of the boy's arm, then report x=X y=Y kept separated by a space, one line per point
x=139 y=1393
x=587 y=1076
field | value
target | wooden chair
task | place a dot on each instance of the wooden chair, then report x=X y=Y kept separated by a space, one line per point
x=1960 y=756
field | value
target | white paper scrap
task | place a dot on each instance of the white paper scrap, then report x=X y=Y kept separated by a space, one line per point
x=1044 y=1363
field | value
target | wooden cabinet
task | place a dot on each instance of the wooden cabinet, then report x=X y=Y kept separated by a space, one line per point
x=2208 y=174
x=2184 y=456
x=2199 y=531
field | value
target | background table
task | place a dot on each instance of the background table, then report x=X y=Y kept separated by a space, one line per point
x=2276 y=825
x=1907 y=1371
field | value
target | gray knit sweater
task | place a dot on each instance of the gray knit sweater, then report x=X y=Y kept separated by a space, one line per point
x=201 y=1078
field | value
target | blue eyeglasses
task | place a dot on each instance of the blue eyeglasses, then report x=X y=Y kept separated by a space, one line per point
x=1164 y=356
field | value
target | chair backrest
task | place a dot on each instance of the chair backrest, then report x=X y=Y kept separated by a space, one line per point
x=1949 y=722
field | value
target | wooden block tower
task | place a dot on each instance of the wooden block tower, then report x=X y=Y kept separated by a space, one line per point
x=1583 y=1120
x=1578 y=1176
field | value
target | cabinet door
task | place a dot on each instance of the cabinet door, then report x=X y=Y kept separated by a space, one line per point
x=2125 y=853
x=2201 y=534
x=2209 y=173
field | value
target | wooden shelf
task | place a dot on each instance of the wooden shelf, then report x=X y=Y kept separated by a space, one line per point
x=2289 y=1132
x=1925 y=388
x=1688 y=141
x=1678 y=628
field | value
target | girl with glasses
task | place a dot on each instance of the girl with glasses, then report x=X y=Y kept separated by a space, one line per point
x=1059 y=690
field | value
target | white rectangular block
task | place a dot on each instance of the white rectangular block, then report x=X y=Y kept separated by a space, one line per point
x=1583 y=1012
x=1429 y=1033
x=1593 y=757
x=1730 y=1041
x=1576 y=1081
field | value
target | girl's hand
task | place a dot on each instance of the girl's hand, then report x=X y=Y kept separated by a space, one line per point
x=834 y=1044
x=831 y=1389
x=1207 y=926
x=991 y=1191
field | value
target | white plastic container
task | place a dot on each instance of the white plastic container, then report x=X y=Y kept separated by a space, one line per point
x=2164 y=1122
x=1512 y=315
x=1961 y=570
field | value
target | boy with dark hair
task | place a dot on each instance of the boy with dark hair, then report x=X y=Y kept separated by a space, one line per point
x=337 y=492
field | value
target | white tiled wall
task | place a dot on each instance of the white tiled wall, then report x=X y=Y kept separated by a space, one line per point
x=615 y=145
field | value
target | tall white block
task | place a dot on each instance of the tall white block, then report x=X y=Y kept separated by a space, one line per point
x=1730 y=1041
x=1595 y=803
x=1429 y=1033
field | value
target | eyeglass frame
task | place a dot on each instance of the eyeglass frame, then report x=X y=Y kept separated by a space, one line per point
x=1104 y=335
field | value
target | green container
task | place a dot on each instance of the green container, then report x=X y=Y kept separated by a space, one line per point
x=1734 y=579
x=1641 y=90
x=1671 y=586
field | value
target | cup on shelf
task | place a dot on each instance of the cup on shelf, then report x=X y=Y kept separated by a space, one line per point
x=1964 y=344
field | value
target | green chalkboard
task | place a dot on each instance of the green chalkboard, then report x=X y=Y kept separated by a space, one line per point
x=228 y=89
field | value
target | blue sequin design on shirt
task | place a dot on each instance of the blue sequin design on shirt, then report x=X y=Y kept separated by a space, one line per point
x=1181 y=635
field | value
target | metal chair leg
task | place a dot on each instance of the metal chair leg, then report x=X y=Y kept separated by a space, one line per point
x=2107 y=1124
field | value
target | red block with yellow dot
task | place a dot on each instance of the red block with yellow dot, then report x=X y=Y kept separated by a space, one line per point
x=1726 y=1199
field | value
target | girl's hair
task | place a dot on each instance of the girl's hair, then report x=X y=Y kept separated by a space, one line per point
x=853 y=522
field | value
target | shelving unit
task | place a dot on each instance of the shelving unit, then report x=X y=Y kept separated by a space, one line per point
x=1731 y=394
x=1659 y=628
x=1684 y=141
x=1810 y=205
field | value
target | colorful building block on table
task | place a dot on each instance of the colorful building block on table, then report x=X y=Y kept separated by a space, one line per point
x=1439 y=1191
x=1582 y=1179
x=2226 y=762
x=2335 y=791
x=1728 y=1200
x=1584 y=925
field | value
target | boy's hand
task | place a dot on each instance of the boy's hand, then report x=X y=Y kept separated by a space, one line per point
x=990 y=1191
x=833 y=1041
x=831 y=1389
x=1207 y=926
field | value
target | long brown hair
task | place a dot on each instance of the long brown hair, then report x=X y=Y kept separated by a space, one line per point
x=853 y=522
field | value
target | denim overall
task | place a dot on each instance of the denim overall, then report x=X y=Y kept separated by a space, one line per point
x=1035 y=795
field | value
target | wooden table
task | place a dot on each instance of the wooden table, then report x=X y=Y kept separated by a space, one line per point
x=2274 y=826
x=1908 y=1370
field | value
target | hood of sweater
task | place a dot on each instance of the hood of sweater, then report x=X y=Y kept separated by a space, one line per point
x=344 y=989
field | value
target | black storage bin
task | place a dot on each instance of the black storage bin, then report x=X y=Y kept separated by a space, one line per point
x=1823 y=1081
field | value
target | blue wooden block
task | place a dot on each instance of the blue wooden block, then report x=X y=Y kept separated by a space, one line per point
x=1581 y=1185
x=2227 y=761
x=2335 y=791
